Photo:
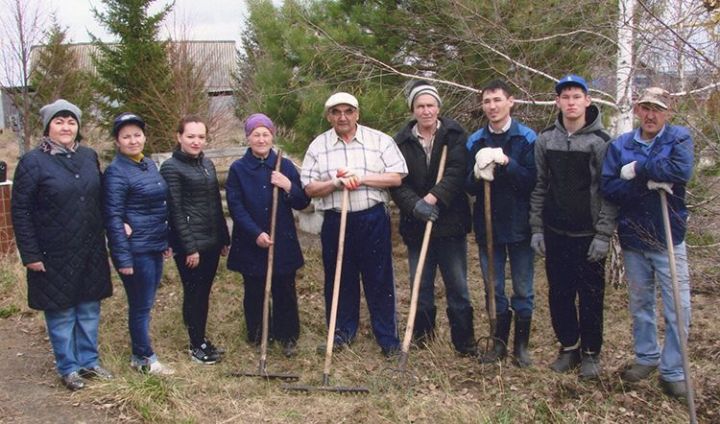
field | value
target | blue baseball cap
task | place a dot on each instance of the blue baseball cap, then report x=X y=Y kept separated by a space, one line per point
x=126 y=118
x=571 y=81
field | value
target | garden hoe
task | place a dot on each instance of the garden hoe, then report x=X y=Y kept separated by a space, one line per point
x=679 y=312
x=405 y=349
x=326 y=387
x=489 y=341
x=262 y=371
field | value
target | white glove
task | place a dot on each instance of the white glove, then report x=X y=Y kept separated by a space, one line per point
x=659 y=185
x=627 y=172
x=342 y=175
x=486 y=173
x=484 y=157
x=498 y=156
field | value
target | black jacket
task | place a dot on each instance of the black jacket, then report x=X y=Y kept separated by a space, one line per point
x=56 y=212
x=454 y=217
x=197 y=223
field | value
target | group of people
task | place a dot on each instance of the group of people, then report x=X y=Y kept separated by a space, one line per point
x=561 y=194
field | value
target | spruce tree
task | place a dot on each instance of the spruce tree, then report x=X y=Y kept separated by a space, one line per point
x=135 y=72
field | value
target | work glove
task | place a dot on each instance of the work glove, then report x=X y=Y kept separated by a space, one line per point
x=424 y=211
x=484 y=157
x=627 y=172
x=659 y=185
x=499 y=157
x=598 y=250
x=537 y=242
x=487 y=173
x=346 y=178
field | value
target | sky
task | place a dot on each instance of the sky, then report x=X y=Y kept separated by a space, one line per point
x=202 y=19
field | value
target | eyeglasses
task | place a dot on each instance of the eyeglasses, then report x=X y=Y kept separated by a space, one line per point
x=340 y=112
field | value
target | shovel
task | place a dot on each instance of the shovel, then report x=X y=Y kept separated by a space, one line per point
x=405 y=349
x=262 y=371
x=325 y=386
x=679 y=313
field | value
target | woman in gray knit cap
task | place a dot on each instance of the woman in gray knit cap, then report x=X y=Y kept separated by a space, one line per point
x=56 y=212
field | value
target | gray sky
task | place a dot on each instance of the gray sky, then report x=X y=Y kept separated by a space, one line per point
x=199 y=19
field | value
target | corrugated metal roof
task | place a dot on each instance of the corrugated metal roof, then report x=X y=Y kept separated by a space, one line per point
x=217 y=59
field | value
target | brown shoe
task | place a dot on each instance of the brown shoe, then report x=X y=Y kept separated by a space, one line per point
x=674 y=389
x=637 y=372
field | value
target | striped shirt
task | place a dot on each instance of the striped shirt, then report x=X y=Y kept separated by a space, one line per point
x=370 y=152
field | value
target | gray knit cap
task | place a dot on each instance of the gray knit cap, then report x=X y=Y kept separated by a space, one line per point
x=47 y=112
x=418 y=87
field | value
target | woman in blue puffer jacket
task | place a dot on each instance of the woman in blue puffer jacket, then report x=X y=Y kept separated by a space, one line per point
x=136 y=214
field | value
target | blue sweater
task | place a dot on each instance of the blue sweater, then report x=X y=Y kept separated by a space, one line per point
x=669 y=159
x=135 y=194
x=511 y=188
x=249 y=198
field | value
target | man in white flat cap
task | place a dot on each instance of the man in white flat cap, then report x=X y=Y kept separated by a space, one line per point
x=366 y=162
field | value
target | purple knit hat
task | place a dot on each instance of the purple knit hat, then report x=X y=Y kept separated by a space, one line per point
x=258 y=120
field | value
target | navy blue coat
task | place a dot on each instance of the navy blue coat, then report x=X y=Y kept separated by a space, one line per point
x=249 y=198
x=670 y=159
x=57 y=217
x=511 y=188
x=135 y=194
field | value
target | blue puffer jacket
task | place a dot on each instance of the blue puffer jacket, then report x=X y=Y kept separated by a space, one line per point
x=669 y=159
x=249 y=197
x=511 y=188
x=135 y=194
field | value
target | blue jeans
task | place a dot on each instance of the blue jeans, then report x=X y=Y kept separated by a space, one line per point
x=140 y=288
x=645 y=271
x=521 y=258
x=450 y=255
x=73 y=333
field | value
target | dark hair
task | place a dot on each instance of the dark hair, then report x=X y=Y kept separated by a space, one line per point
x=64 y=114
x=496 y=84
x=188 y=119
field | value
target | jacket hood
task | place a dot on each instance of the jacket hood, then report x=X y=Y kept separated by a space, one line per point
x=593 y=121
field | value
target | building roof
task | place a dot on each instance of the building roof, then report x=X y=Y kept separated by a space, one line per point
x=217 y=59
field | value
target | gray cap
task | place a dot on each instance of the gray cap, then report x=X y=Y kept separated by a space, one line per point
x=48 y=111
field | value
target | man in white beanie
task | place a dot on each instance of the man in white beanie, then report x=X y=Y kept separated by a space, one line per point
x=366 y=162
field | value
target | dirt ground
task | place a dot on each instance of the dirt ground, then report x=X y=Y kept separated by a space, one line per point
x=30 y=391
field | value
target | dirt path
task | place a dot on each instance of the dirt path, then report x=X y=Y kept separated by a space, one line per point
x=30 y=391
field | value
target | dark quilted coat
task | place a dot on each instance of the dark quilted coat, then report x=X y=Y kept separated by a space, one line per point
x=56 y=211
x=135 y=194
x=197 y=223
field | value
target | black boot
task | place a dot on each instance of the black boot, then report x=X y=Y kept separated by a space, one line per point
x=502 y=332
x=462 y=332
x=424 y=327
x=520 y=342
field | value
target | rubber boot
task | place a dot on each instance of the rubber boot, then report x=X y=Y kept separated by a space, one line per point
x=502 y=332
x=521 y=355
x=462 y=332
x=424 y=327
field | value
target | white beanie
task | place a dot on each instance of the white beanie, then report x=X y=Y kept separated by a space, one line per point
x=416 y=88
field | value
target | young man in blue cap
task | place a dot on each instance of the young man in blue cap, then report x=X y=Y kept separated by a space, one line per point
x=572 y=225
x=656 y=156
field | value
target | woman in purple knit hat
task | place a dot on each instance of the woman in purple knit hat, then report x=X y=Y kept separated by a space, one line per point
x=249 y=191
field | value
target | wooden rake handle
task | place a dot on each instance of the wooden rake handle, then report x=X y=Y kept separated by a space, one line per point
x=336 y=286
x=418 y=273
x=269 y=273
x=490 y=287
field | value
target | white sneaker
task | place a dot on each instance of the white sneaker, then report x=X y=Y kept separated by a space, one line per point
x=158 y=368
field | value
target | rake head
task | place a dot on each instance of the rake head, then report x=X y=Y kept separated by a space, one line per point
x=266 y=375
x=326 y=387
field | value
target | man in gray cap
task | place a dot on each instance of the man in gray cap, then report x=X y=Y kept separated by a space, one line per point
x=366 y=162
x=656 y=156
x=421 y=199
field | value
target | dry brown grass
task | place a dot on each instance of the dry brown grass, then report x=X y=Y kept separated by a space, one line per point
x=449 y=389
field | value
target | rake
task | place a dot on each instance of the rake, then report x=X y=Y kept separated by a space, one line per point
x=262 y=371
x=679 y=312
x=325 y=386
x=489 y=341
x=405 y=349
